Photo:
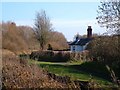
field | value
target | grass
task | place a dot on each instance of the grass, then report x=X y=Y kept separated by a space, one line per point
x=78 y=71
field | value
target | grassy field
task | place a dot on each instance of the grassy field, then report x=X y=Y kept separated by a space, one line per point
x=79 y=71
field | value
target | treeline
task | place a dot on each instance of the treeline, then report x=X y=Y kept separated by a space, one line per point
x=22 y=38
x=17 y=38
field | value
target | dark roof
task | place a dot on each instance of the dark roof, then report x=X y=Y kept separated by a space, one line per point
x=73 y=43
x=81 y=41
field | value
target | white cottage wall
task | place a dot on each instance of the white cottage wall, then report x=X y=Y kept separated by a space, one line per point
x=72 y=48
x=78 y=48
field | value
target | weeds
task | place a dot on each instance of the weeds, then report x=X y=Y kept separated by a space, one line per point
x=113 y=76
x=19 y=74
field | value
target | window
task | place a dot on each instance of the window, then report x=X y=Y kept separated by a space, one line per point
x=73 y=48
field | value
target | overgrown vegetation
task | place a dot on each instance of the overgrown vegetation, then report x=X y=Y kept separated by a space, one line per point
x=86 y=71
x=22 y=39
x=18 y=74
x=105 y=49
x=59 y=56
x=103 y=68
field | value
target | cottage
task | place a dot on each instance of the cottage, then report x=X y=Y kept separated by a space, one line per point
x=79 y=44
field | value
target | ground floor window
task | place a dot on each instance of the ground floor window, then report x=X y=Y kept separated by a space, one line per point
x=73 y=49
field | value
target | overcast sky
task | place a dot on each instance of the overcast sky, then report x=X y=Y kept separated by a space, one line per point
x=69 y=18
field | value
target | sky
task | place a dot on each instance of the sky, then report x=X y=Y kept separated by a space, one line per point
x=68 y=18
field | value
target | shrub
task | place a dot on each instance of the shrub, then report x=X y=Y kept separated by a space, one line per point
x=18 y=74
x=59 y=56
x=106 y=49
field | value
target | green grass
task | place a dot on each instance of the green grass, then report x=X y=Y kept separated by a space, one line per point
x=78 y=71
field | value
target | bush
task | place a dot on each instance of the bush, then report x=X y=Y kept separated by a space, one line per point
x=59 y=56
x=50 y=56
x=105 y=49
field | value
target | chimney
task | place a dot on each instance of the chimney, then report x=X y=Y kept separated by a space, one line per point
x=89 y=32
x=77 y=36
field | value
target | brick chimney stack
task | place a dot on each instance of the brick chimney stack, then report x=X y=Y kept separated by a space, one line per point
x=89 y=32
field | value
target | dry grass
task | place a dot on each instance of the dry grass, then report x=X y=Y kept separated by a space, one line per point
x=17 y=73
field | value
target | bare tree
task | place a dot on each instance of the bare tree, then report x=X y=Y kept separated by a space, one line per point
x=42 y=28
x=109 y=15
